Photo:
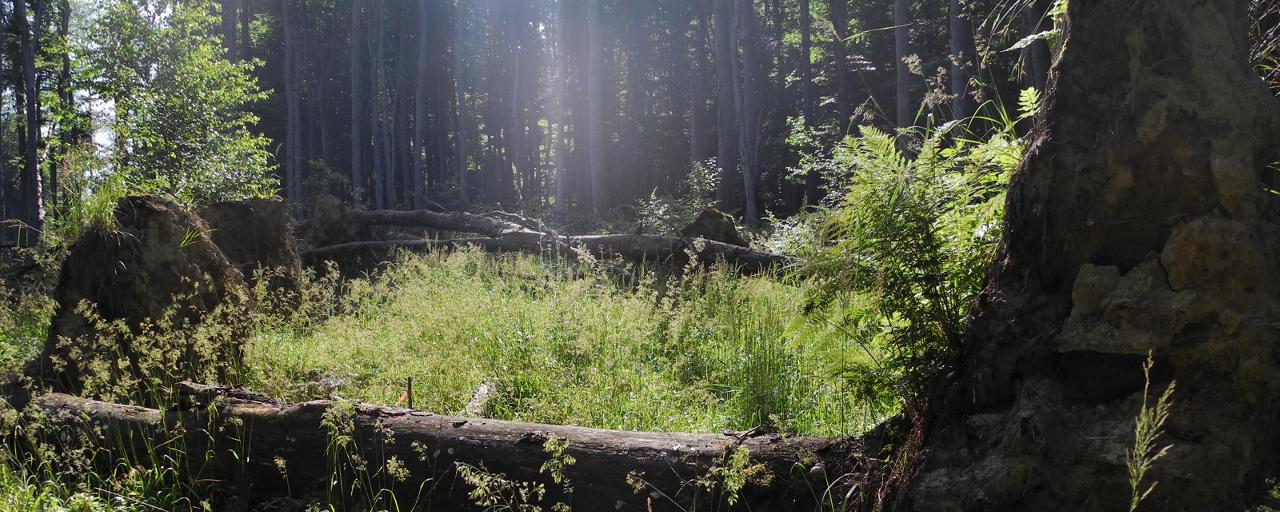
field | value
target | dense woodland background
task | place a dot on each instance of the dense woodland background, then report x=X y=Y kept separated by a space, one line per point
x=578 y=105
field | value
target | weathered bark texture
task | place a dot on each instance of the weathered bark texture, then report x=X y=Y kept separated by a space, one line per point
x=1138 y=223
x=294 y=441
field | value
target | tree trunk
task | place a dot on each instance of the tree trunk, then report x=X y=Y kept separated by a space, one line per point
x=750 y=110
x=359 y=117
x=726 y=55
x=421 y=100
x=293 y=451
x=230 y=10
x=30 y=179
x=698 y=85
x=67 y=103
x=839 y=10
x=812 y=181
x=962 y=59
x=596 y=137
x=901 y=18
x=403 y=138
x=382 y=155
x=559 y=109
x=1136 y=225
x=462 y=159
x=293 y=106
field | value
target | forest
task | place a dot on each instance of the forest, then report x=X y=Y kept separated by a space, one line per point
x=651 y=255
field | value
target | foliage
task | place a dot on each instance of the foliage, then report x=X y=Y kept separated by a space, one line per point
x=24 y=323
x=667 y=214
x=1264 y=48
x=91 y=203
x=899 y=261
x=705 y=352
x=179 y=119
x=1148 y=427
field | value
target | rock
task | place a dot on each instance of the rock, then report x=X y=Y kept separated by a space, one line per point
x=257 y=235
x=713 y=224
x=130 y=288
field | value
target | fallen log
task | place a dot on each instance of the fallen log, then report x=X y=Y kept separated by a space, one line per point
x=265 y=450
x=461 y=222
x=678 y=250
x=505 y=232
x=637 y=248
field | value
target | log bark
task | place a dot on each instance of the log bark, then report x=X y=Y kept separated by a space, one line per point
x=1137 y=224
x=292 y=446
x=506 y=232
x=461 y=222
x=355 y=256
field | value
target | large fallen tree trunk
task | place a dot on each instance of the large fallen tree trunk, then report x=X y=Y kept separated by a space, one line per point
x=462 y=222
x=502 y=233
x=264 y=450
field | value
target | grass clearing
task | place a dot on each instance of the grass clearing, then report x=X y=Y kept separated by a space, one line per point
x=707 y=352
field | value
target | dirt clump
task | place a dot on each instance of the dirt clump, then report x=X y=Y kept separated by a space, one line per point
x=713 y=224
x=129 y=299
x=257 y=235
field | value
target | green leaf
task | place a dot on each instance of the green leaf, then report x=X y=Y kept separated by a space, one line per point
x=1046 y=36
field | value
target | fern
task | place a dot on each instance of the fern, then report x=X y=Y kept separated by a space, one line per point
x=901 y=258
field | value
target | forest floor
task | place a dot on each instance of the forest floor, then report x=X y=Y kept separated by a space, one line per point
x=704 y=352
x=701 y=351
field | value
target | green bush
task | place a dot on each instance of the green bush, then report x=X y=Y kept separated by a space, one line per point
x=903 y=252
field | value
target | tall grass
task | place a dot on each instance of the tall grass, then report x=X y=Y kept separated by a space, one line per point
x=704 y=352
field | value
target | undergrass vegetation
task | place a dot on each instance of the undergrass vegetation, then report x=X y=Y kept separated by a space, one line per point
x=700 y=351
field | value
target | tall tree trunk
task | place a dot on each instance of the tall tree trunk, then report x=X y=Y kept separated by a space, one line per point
x=750 y=86
x=513 y=122
x=726 y=55
x=246 y=29
x=1137 y=225
x=230 y=12
x=839 y=10
x=901 y=18
x=359 y=117
x=420 y=106
x=812 y=181
x=962 y=59
x=67 y=124
x=382 y=156
x=596 y=138
x=698 y=84
x=293 y=106
x=402 y=138
x=31 y=190
x=462 y=159
x=559 y=114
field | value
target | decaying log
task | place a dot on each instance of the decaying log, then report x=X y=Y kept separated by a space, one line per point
x=678 y=250
x=505 y=232
x=640 y=248
x=267 y=450
x=461 y=222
